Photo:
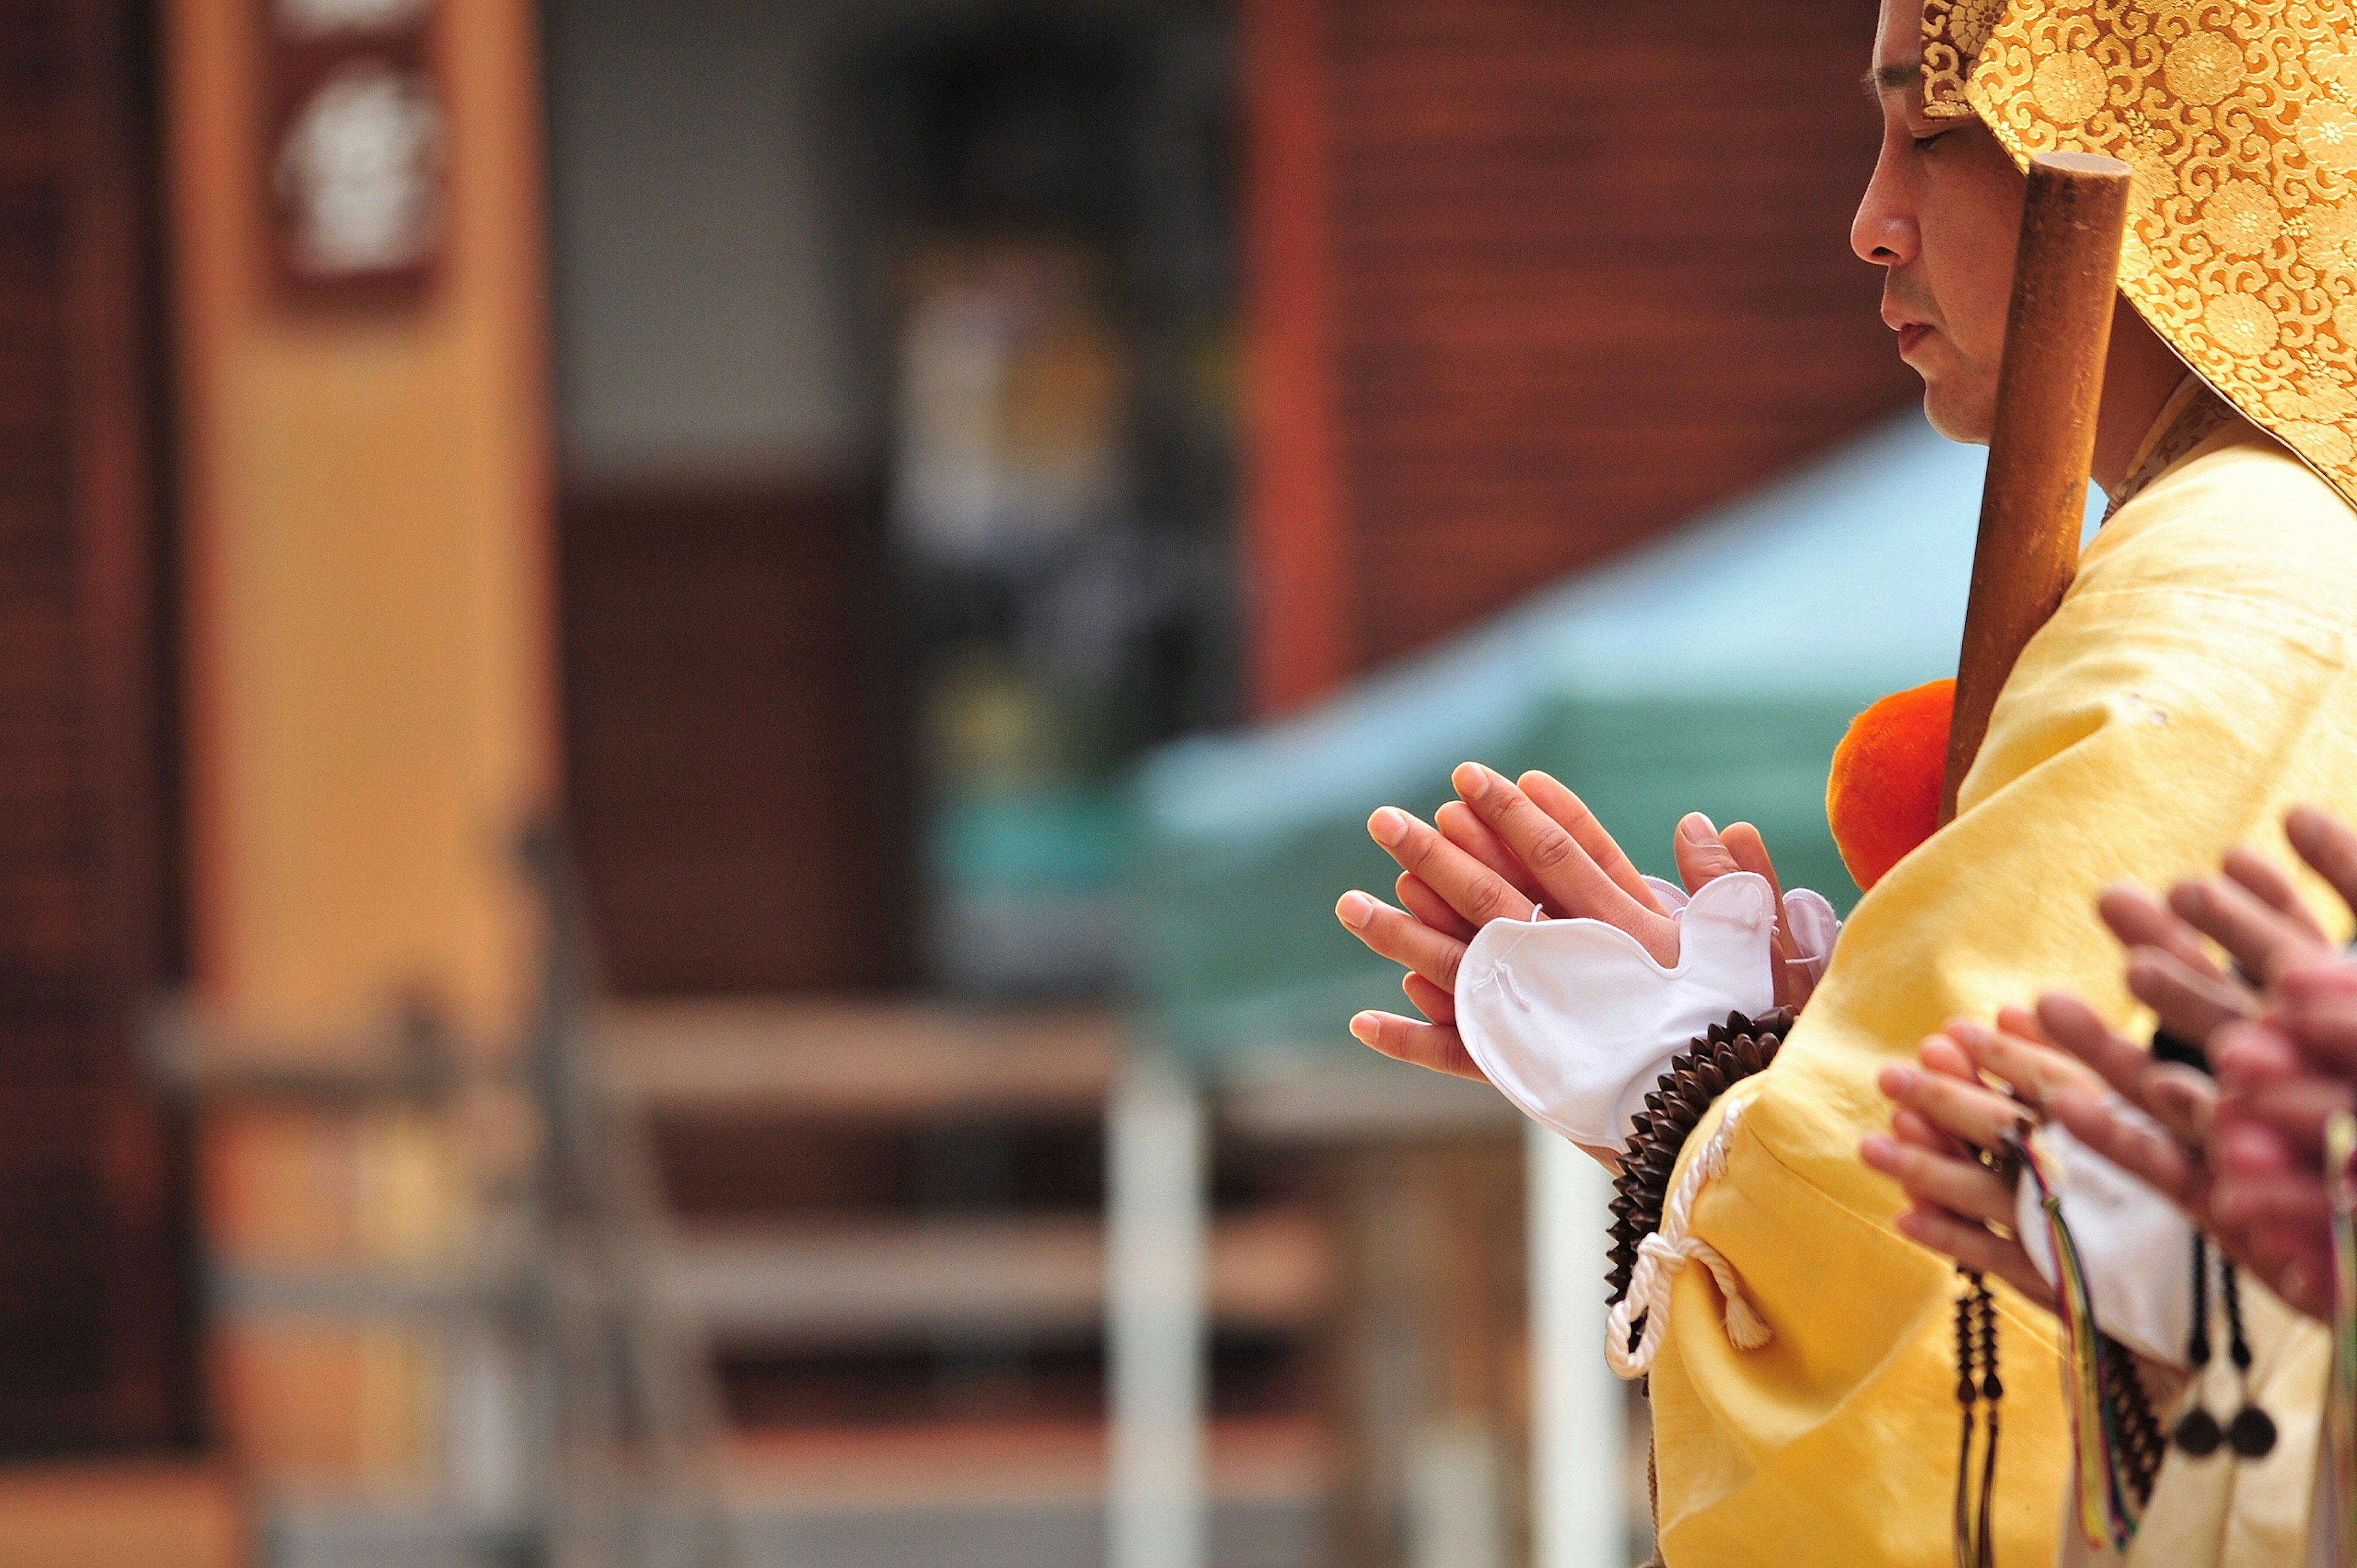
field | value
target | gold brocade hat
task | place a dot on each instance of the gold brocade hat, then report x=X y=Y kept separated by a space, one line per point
x=2240 y=120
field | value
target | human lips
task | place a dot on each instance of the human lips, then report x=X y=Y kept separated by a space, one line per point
x=1911 y=330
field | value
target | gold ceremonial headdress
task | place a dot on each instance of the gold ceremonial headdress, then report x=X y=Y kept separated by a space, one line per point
x=2239 y=118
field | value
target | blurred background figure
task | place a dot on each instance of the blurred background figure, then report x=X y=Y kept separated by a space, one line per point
x=682 y=686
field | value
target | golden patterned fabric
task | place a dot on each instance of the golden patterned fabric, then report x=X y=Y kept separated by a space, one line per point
x=2240 y=120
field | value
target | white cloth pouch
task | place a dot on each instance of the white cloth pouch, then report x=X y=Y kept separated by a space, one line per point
x=1574 y=1020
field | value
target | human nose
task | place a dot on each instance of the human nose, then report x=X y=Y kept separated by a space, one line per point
x=1884 y=232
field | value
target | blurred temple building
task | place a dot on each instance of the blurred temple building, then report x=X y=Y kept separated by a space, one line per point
x=585 y=591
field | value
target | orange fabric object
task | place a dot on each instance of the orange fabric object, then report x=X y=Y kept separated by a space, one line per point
x=1884 y=796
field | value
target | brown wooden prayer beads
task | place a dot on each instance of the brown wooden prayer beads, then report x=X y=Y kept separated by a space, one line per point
x=1727 y=1054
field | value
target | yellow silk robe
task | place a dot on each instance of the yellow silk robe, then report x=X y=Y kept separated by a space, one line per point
x=2200 y=678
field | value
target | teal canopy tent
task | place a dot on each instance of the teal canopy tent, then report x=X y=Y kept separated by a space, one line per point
x=1712 y=671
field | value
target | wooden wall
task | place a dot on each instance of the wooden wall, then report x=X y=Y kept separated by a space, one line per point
x=94 y=1352
x=732 y=750
x=1530 y=281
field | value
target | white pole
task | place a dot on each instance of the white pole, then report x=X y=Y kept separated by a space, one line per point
x=1156 y=1300
x=1578 y=1410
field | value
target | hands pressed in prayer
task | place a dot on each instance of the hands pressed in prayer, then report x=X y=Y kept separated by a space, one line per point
x=2240 y=1155
x=1506 y=851
x=1961 y=1206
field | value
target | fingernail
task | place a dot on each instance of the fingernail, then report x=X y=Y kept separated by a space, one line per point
x=1472 y=780
x=1897 y=1078
x=1355 y=909
x=1362 y=1028
x=1389 y=826
x=1873 y=1147
x=1695 y=827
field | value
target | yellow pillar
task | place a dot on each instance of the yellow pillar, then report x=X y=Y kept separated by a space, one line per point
x=367 y=500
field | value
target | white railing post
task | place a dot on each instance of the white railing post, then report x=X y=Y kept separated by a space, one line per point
x=1157 y=1294
x=1580 y=1498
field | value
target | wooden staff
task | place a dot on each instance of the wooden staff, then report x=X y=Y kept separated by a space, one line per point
x=2049 y=387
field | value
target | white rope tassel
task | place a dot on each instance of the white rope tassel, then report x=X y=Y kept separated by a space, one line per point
x=1659 y=1257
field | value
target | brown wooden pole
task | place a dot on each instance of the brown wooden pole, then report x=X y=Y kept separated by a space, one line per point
x=2034 y=504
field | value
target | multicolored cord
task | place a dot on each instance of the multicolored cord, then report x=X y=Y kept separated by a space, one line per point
x=2105 y=1507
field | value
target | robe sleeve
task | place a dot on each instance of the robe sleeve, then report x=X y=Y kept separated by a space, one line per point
x=2197 y=682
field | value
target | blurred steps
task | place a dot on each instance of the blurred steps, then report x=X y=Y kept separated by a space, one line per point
x=868 y=1281
x=887 y=1219
x=1007 y=1495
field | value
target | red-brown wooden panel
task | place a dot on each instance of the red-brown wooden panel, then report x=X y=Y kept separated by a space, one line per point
x=94 y=1345
x=734 y=792
x=1586 y=270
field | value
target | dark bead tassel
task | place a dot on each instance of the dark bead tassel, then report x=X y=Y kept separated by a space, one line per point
x=2252 y=1433
x=1967 y=1398
x=2198 y=1431
x=1992 y=1395
x=2142 y=1447
x=1977 y=1384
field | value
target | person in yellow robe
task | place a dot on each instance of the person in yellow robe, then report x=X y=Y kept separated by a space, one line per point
x=2185 y=1143
x=2200 y=678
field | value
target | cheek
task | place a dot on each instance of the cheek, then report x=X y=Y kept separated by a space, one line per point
x=1970 y=269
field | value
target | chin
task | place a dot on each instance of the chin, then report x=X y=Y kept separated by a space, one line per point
x=1961 y=414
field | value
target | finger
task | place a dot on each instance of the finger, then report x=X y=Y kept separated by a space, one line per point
x=2140 y=920
x=2251 y=1052
x=2133 y=1146
x=1434 y=1045
x=2037 y=1072
x=2022 y=1023
x=2329 y=845
x=2246 y=1147
x=1468 y=833
x=1751 y=852
x=1571 y=880
x=1976 y=1248
x=2285 y=1198
x=1428 y=998
x=1549 y=794
x=1477 y=893
x=2181 y=1099
x=1965 y=1111
x=2192 y=1003
x=2268 y=883
x=1961 y=1187
x=2296 y=1109
x=1940 y=1054
x=2318 y=1013
x=1402 y=938
x=1908 y=1127
x=1417 y=896
x=2261 y=940
x=2080 y=1030
x=1702 y=856
x=2320 y=1024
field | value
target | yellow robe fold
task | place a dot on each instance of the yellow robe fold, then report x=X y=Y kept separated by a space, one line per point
x=2200 y=678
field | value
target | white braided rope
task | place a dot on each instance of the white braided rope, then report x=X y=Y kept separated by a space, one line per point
x=1663 y=1253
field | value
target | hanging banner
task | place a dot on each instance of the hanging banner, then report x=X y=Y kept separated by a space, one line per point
x=358 y=163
